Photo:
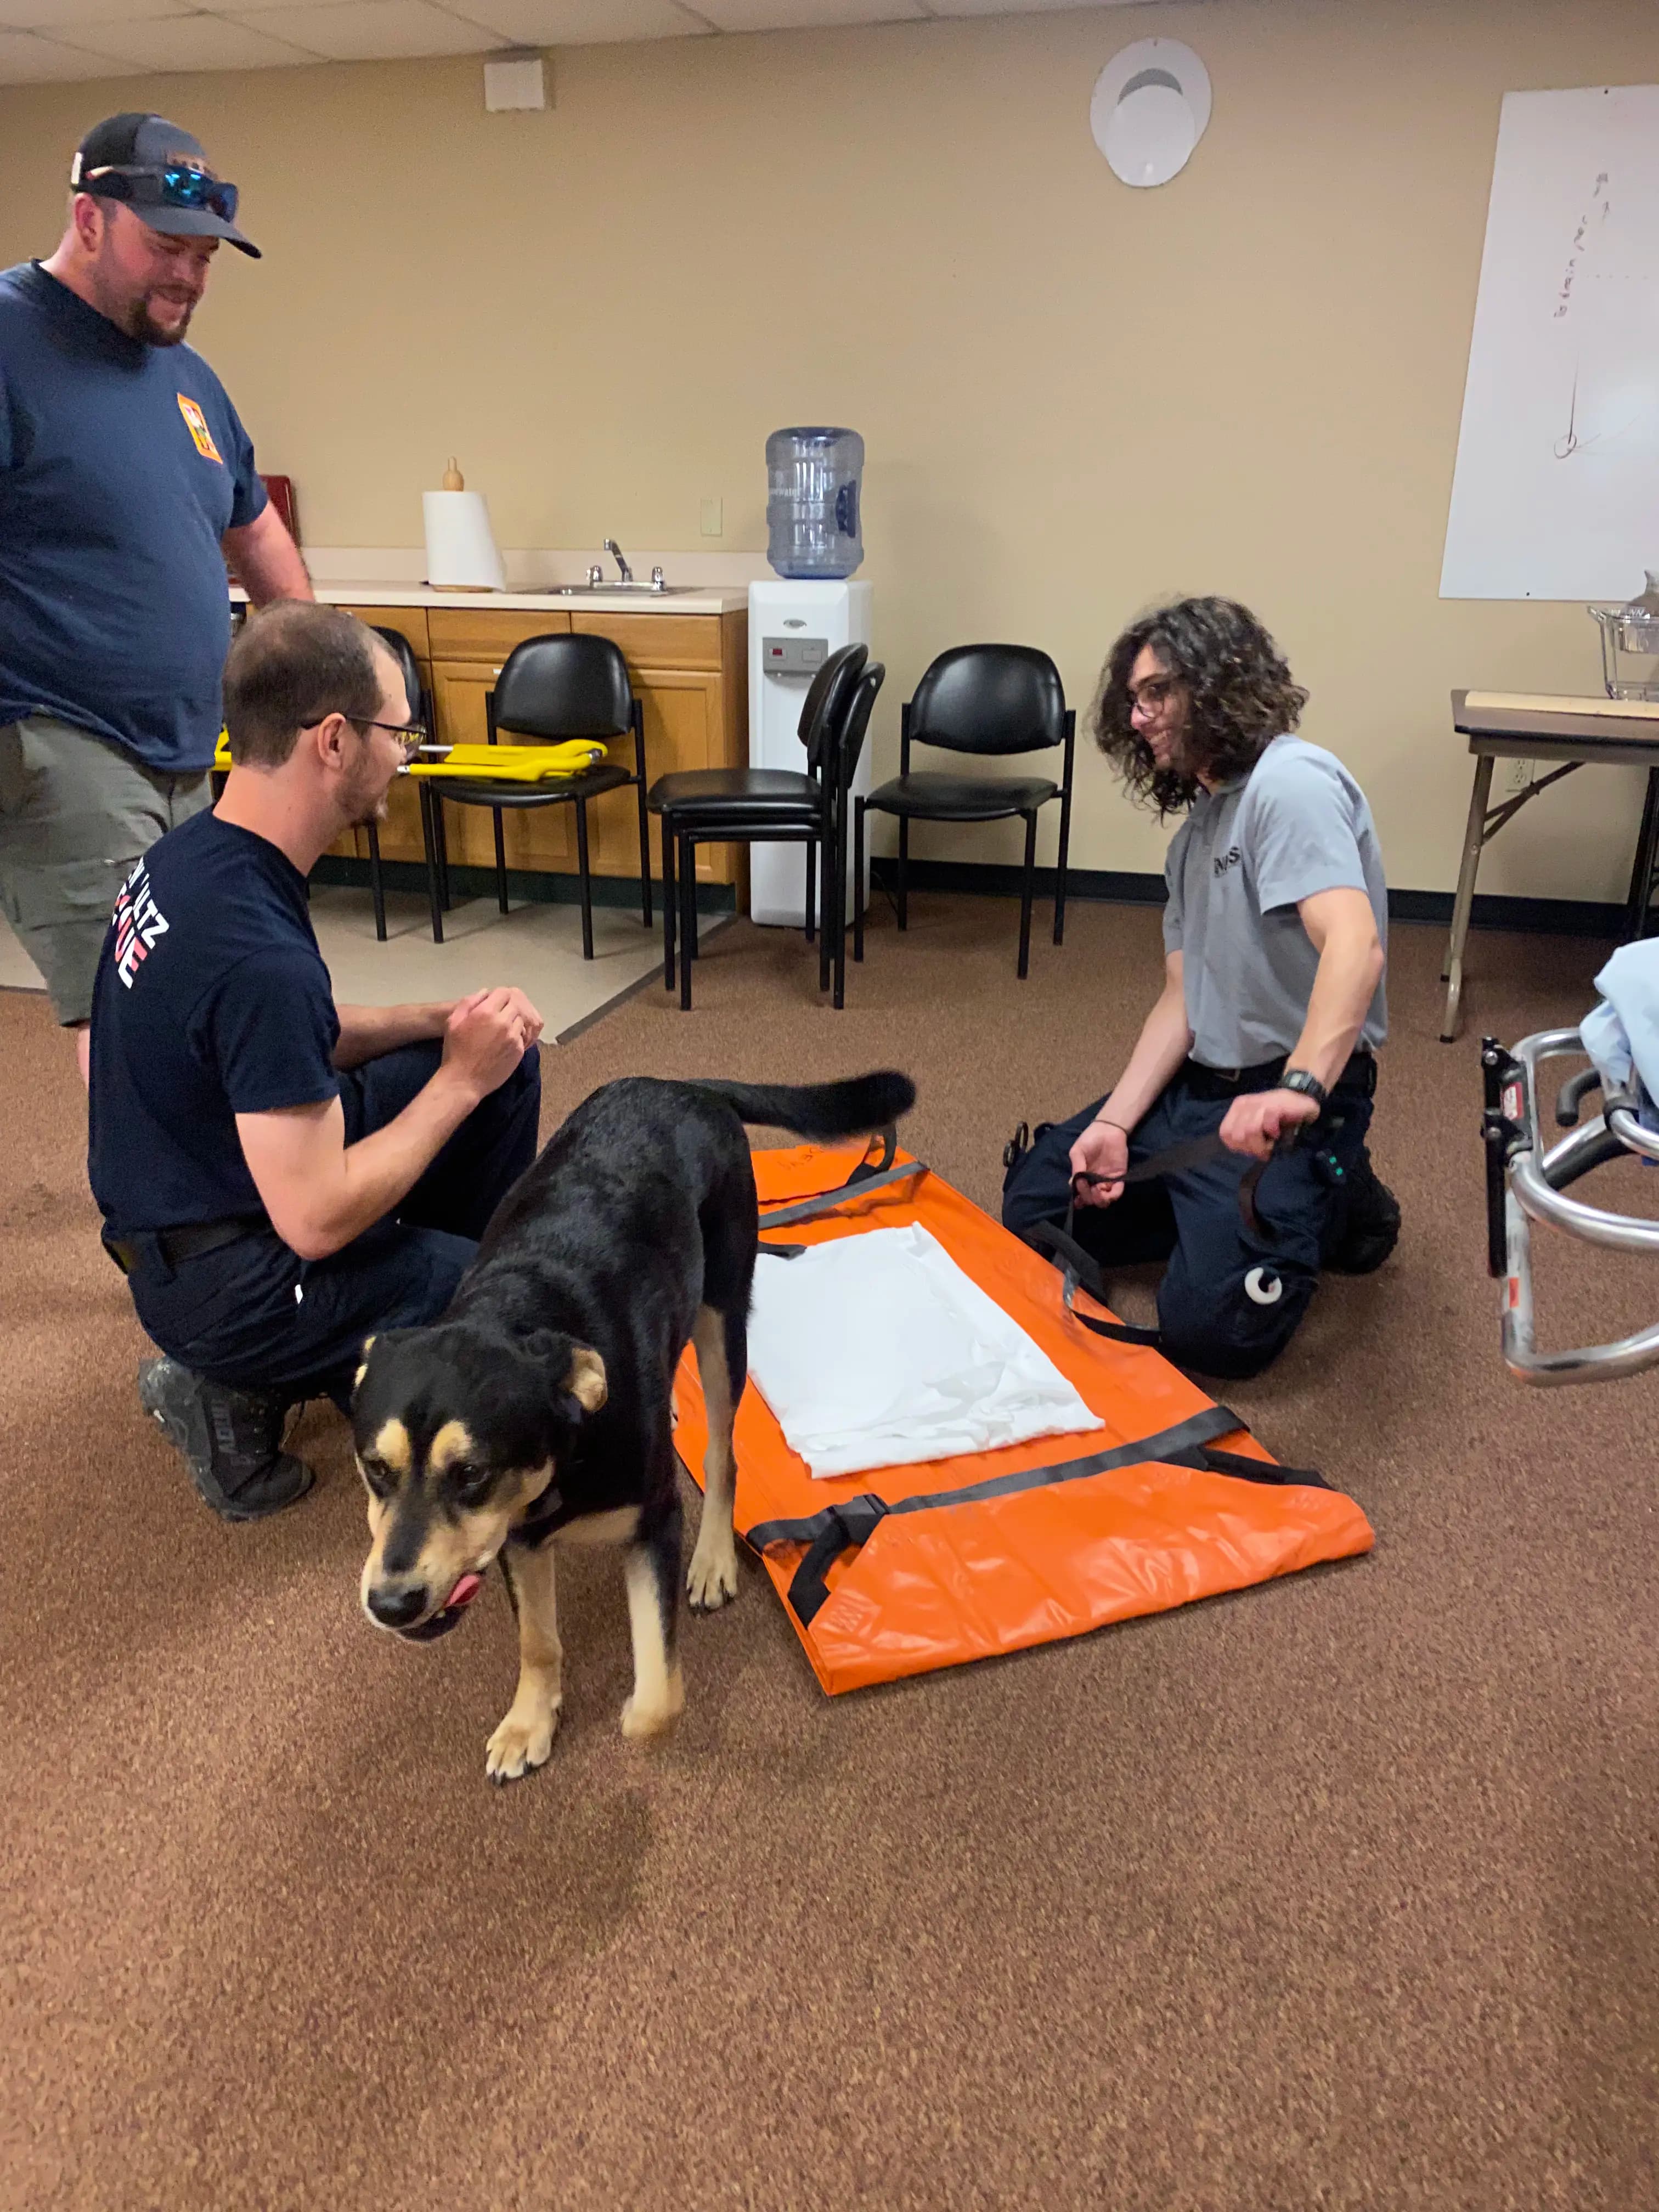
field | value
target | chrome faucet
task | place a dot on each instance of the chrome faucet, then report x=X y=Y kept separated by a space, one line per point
x=616 y=553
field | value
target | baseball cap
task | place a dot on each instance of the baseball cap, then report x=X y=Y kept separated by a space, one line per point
x=161 y=173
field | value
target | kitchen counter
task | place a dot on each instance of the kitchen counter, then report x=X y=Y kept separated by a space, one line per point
x=704 y=599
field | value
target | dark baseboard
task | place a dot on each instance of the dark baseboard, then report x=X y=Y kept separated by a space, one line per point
x=1544 y=916
x=525 y=886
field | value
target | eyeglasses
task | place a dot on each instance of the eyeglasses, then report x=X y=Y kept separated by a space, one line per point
x=175 y=187
x=411 y=736
x=1157 y=691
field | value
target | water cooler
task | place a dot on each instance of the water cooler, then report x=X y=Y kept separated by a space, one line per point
x=794 y=625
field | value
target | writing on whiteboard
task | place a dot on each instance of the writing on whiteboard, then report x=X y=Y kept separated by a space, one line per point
x=1596 y=213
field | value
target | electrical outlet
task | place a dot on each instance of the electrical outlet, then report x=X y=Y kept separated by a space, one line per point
x=712 y=525
x=1520 y=774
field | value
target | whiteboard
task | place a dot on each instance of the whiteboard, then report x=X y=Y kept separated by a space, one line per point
x=1556 y=494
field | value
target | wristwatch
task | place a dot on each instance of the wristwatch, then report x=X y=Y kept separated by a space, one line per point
x=1297 y=1079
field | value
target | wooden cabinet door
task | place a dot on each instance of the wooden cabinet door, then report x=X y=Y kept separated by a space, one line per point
x=683 y=710
x=533 y=837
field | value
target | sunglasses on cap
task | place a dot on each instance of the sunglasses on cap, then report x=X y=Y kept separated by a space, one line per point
x=175 y=186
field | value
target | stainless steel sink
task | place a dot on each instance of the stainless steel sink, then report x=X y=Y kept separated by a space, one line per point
x=632 y=591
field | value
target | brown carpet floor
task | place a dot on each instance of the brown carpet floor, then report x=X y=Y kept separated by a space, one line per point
x=1340 y=1892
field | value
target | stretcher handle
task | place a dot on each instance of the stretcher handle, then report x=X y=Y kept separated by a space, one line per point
x=1572 y=1095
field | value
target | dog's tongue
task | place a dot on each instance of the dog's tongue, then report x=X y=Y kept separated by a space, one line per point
x=465 y=1590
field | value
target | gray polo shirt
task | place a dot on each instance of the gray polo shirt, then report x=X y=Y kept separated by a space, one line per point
x=1297 y=824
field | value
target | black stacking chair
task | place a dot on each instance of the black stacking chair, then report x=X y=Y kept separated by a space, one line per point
x=419 y=708
x=992 y=701
x=551 y=688
x=713 y=806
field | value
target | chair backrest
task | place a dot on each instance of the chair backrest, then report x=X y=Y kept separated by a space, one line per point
x=848 y=742
x=989 y=699
x=564 y=687
x=828 y=698
x=403 y=653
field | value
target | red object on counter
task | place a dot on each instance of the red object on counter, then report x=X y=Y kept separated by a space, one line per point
x=280 y=489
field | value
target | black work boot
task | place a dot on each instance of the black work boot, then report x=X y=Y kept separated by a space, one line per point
x=231 y=1440
x=1372 y=1227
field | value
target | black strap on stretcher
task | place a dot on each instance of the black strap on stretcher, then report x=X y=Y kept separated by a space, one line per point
x=1079 y=1269
x=868 y=1175
x=852 y=1520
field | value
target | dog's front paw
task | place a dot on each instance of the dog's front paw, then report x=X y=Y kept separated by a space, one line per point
x=521 y=1744
x=642 y=1716
x=711 y=1579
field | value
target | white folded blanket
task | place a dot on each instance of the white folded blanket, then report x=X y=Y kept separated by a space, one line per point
x=877 y=1349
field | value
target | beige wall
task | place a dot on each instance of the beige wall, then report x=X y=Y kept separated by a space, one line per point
x=1074 y=397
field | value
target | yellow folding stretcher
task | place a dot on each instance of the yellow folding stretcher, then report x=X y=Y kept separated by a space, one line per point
x=486 y=763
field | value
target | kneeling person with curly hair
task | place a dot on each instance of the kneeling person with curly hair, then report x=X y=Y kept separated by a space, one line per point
x=1264 y=1039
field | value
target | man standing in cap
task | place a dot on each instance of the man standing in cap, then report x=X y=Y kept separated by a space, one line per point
x=125 y=479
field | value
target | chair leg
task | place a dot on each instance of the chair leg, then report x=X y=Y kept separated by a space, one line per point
x=857 y=879
x=585 y=880
x=1060 y=871
x=501 y=862
x=441 y=839
x=645 y=858
x=904 y=871
x=811 y=889
x=429 y=841
x=826 y=848
x=687 y=866
x=1025 y=897
x=838 y=908
x=670 y=901
x=377 y=888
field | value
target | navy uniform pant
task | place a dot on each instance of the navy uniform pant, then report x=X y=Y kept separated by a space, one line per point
x=1230 y=1299
x=254 y=1314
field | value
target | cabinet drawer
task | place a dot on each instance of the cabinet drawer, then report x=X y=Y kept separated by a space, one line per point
x=408 y=622
x=483 y=634
x=658 y=641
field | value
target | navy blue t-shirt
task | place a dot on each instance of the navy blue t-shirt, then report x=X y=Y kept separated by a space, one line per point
x=212 y=1000
x=122 y=465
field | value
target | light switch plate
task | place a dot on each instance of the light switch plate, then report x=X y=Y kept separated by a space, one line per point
x=712 y=523
x=515 y=80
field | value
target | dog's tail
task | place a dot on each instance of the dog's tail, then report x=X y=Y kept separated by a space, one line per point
x=853 y=1107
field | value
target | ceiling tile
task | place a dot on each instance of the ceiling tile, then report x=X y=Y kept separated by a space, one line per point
x=52 y=16
x=26 y=60
x=1018 y=7
x=185 y=42
x=796 y=14
x=372 y=30
x=575 y=23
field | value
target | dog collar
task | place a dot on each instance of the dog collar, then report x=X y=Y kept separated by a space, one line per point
x=545 y=1514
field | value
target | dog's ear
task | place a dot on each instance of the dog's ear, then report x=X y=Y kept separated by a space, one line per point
x=586 y=1381
x=578 y=1370
x=362 y=1365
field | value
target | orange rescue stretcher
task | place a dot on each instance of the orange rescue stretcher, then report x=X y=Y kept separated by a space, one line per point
x=901 y=1569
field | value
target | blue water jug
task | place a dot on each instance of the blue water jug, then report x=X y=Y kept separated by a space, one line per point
x=812 y=478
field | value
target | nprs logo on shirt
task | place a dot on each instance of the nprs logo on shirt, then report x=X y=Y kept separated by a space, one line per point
x=196 y=423
x=138 y=921
x=1230 y=859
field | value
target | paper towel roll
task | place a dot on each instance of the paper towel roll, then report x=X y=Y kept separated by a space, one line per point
x=460 y=547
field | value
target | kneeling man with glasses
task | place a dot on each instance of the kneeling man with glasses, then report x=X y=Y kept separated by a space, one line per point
x=280 y=1176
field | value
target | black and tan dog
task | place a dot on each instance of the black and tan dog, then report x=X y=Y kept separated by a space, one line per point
x=537 y=1410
